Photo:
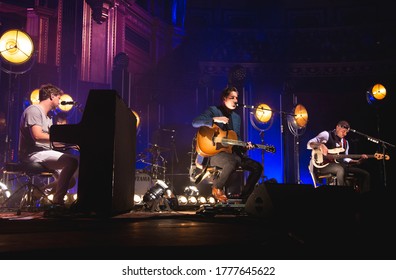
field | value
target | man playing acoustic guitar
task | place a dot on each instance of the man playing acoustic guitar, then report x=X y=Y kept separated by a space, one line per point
x=224 y=119
x=324 y=161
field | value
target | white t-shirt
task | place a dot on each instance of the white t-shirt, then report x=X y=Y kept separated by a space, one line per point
x=33 y=115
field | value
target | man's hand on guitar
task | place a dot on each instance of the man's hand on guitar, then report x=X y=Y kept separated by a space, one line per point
x=361 y=159
x=221 y=119
x=249 y=145
x=324 y=149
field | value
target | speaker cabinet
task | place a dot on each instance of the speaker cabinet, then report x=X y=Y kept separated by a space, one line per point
x=297 y=202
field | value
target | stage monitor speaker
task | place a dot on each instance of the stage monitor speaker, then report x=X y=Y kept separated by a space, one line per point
x=301 y=201
x=107 y=139
x=259 y=203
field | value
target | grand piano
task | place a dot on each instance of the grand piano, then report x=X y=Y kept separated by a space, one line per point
x=106 y=136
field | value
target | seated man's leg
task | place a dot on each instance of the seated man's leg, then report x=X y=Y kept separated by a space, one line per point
x=337 y=169
x=228 y=164
x=363 y=178
x=66 y=166
x=255 y=171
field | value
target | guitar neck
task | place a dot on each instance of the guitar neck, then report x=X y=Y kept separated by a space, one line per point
x=348 y=156
x=343 y=156
x=233 y=142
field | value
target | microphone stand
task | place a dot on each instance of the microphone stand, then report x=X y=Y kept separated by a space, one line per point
x=383 y=144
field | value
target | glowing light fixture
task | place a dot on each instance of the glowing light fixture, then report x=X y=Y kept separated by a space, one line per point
x=66 y=98
x=137 y=118
x=263 y=113
x=4 y=192
x=34 y=96
x=16 y=46
x=300 y=116
x=377 y=92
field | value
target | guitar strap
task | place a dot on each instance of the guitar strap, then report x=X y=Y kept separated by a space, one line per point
x=344 y=144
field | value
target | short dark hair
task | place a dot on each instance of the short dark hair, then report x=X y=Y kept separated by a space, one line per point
x=227 y=91
x=47 y=89
x=344 y=124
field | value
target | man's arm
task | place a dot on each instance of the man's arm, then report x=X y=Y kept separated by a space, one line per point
x=38 y=135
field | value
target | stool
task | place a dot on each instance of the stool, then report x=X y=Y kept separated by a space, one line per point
x=321 y=179
x=28 y=170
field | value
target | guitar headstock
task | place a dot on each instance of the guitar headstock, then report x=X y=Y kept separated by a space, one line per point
x=270 y=148
x=381 y=156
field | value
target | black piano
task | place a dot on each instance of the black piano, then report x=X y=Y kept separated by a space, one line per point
x=106 y=136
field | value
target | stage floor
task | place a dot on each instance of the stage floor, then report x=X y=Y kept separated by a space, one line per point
x=302 y=225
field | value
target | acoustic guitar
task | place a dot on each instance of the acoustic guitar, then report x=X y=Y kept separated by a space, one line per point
x=213 y=140
x=319 y=160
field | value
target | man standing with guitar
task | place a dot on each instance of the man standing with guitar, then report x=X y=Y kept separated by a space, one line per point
x=227 y=157
x=325 y=162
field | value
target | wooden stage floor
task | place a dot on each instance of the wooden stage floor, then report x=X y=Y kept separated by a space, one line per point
x=301 y=225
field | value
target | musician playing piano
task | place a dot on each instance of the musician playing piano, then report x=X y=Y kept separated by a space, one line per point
x=225 y=117
x=326 y=142
x=35 y=146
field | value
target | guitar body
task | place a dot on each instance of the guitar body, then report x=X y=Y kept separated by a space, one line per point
x=209 y=140
x=213 y=140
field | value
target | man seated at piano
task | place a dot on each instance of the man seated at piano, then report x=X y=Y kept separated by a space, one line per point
x=35 y=145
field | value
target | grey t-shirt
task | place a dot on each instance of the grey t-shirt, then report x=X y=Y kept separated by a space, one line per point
x=33 y=115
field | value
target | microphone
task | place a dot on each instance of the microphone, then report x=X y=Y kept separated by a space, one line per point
x=68 y=103
x=247 y=106
x=168 y=130
x=372 y=139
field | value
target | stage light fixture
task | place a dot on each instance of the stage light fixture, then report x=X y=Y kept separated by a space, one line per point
x=182 y=200
x=16 y=46
x=137 y=118
x=192 y=200
x=263 y=113
x=4 y=192
x=201 y=199
x=34 y=96
x=66 y=98
x=211 y=200
x=191 y=190
x=299 y=117
x=376 y=93
x=16 y=49
x=137 y=199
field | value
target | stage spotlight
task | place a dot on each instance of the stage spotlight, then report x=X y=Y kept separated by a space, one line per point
x=191 y=190
x=201 y=199
x=34 y=96
x=137 y=199
x=16 y=46
x=157 y=191
x=4 y=192
x=154 y=193
x=137 y=118
x=263 y=113
x=376 y=93
x=192 y=200
x=211 y=200
x=66 y=102
x=182 y=200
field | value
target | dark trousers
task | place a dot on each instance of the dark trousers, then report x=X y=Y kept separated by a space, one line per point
x=229 y=162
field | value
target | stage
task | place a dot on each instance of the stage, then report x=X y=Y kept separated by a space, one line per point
x=302 y=223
